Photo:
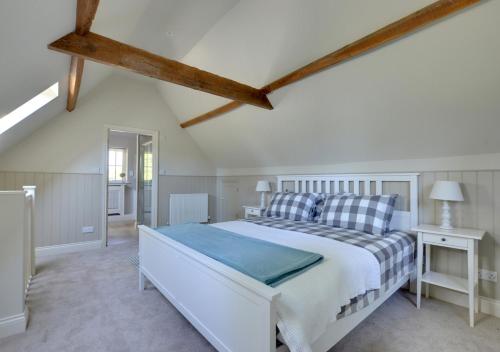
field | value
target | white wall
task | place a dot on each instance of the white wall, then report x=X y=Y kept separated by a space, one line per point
x=456 y=163
x=73 y=142
x=430 y=94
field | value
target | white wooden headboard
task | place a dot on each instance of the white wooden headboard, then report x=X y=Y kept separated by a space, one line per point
x=366 y=184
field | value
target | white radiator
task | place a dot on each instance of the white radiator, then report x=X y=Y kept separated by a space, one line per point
x=188 y=208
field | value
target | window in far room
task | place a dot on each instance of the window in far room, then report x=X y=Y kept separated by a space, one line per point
x=148 y=166
x=117 y=164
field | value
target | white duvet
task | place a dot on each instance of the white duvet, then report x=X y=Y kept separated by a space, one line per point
x=311 y=301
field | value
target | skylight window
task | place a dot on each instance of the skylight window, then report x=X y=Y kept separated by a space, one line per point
x=25 y=110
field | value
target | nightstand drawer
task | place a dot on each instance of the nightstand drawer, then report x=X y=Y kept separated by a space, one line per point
x=253 y=211
x=443 y=240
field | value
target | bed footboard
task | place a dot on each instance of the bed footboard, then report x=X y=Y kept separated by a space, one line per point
x=232 y=311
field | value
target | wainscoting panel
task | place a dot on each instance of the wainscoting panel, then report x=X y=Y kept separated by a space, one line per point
x=241 y=192
x=67 y=202
x=186 y=184
x=64 y=204
x=481 y=209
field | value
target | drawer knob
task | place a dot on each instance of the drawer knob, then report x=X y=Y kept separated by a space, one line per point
x=443 y=239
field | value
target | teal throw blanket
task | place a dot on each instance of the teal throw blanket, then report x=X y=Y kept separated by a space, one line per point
x=266 y=262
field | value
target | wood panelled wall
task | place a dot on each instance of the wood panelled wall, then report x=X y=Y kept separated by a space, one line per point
x=64 y=204
x=480 y=209
x=67 y=202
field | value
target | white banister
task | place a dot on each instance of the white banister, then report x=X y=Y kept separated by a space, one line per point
x=30 y=192
x=16 y=257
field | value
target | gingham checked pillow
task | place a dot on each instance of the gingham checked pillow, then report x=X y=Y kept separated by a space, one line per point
x=320 y=203
x=292 y=206
x=370 y=214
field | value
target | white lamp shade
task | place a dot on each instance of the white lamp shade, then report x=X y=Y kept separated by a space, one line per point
x=447 y=190
x=263 y=186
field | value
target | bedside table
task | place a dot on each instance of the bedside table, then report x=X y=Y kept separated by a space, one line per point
x=464 y=239
x=252 y=211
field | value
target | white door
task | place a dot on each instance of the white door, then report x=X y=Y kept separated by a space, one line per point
x=230 y=207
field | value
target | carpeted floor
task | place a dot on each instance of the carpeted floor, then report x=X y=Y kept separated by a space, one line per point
x=89 y=301
x=119 y=233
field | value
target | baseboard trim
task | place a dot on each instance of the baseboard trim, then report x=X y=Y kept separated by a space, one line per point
x=68 y=248
x=15 y=324
x=486 y=305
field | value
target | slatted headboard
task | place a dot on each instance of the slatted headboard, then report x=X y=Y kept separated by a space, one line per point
x=366 y=184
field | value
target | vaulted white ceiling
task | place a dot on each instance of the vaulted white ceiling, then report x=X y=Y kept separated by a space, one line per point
x=431 y=94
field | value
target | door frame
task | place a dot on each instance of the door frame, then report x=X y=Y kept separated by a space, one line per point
x=154 y=188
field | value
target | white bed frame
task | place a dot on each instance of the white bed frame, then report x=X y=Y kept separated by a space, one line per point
x=233 y=311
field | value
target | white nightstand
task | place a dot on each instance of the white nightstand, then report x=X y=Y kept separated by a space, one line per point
x=252 y=211
x=464 y=239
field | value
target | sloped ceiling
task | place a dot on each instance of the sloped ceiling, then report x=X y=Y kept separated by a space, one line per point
x=27 y=67
x=431 y=94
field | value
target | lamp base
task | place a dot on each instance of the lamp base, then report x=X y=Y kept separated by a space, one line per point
x=446 y=216
x=445 y=227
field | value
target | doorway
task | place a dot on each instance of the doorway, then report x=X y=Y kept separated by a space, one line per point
x=130 y=180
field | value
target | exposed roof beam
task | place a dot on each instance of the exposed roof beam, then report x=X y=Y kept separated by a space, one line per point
x=219 y=111
x=387 y=34
x=85 y=13
x=75 y=80
x=107 y=51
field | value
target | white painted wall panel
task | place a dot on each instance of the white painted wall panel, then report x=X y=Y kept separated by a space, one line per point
x=65 y=203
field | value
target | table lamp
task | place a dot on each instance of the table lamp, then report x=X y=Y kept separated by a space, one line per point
x=446 y=191
x=263 y=187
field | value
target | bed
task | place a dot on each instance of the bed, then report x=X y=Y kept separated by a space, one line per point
x=237 y=313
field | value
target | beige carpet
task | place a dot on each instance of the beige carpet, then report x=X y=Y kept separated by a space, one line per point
x=119 y=233
x=89 y=301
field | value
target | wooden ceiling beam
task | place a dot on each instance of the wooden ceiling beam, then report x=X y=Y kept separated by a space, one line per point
x=85 y=13
x=219 y=111
x=110 y=52
x=375 y=40
x=74 y=81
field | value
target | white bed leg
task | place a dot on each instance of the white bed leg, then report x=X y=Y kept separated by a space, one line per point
x=142 y=281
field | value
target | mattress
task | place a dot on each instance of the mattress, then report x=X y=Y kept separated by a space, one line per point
x=354 y=264
x=395 y=253
x=309 y=302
